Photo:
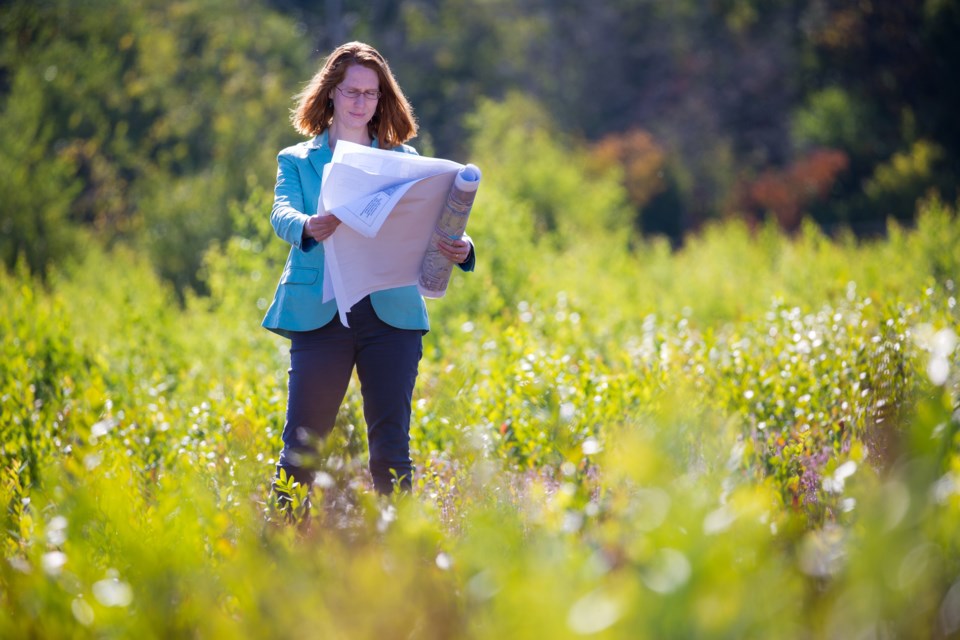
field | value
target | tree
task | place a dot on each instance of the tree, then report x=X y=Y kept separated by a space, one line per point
x=158 y=112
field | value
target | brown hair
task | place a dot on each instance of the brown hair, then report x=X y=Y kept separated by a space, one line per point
x=392 y=123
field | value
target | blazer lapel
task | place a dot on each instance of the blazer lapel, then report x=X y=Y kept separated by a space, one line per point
x=319 y=154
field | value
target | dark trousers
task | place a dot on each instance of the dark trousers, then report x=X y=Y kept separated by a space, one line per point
x=321 y=364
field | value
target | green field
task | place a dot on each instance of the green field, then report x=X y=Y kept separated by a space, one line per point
x=753 y=436
x=704 y=382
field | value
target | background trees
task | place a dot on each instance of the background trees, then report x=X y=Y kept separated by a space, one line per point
x=138 y=121
x=144 y=121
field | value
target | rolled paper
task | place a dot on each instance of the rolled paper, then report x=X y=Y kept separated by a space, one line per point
x=436 y=269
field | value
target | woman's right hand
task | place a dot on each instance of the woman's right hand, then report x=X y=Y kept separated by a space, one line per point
x=321 y=226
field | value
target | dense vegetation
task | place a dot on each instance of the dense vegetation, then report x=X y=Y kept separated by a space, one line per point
x=754 y=434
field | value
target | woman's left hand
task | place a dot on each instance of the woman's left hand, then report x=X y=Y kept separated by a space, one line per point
x=456 y=251
x=321 y=226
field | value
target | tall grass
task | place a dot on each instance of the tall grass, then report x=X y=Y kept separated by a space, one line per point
x=755 y=436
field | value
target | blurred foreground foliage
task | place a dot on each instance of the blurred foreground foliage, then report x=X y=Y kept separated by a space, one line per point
x=754 y=436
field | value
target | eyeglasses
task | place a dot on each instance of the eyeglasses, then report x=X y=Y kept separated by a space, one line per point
x=353 y=94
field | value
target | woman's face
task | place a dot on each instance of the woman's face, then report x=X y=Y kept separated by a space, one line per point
x=363 y=84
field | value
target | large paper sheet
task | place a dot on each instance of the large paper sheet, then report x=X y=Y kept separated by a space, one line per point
x=362 y=185
x=392 y=206
x=357 y=265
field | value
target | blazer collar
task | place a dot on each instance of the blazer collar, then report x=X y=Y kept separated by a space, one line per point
x=322 y=141
x=320 y=152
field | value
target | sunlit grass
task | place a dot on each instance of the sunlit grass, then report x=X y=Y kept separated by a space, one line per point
x=753 y=437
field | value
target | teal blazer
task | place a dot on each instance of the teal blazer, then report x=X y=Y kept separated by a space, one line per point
x=298 y=302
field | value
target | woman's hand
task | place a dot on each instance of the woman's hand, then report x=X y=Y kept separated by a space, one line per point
x=456 y=251
x=320 y=226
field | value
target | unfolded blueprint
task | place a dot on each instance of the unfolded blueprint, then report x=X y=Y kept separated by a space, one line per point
x=390 y=204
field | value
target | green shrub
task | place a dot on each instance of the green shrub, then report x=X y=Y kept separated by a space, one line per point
x=754 y=436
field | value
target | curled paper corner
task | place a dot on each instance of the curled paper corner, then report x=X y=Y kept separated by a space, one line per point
x=468 y=178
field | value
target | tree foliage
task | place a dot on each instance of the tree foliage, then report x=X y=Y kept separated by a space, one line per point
x=146 y=121
x=140 y=120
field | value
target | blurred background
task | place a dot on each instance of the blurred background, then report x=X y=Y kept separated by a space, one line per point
x=145 y=121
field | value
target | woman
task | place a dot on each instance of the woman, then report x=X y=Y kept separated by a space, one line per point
x=353 y=97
